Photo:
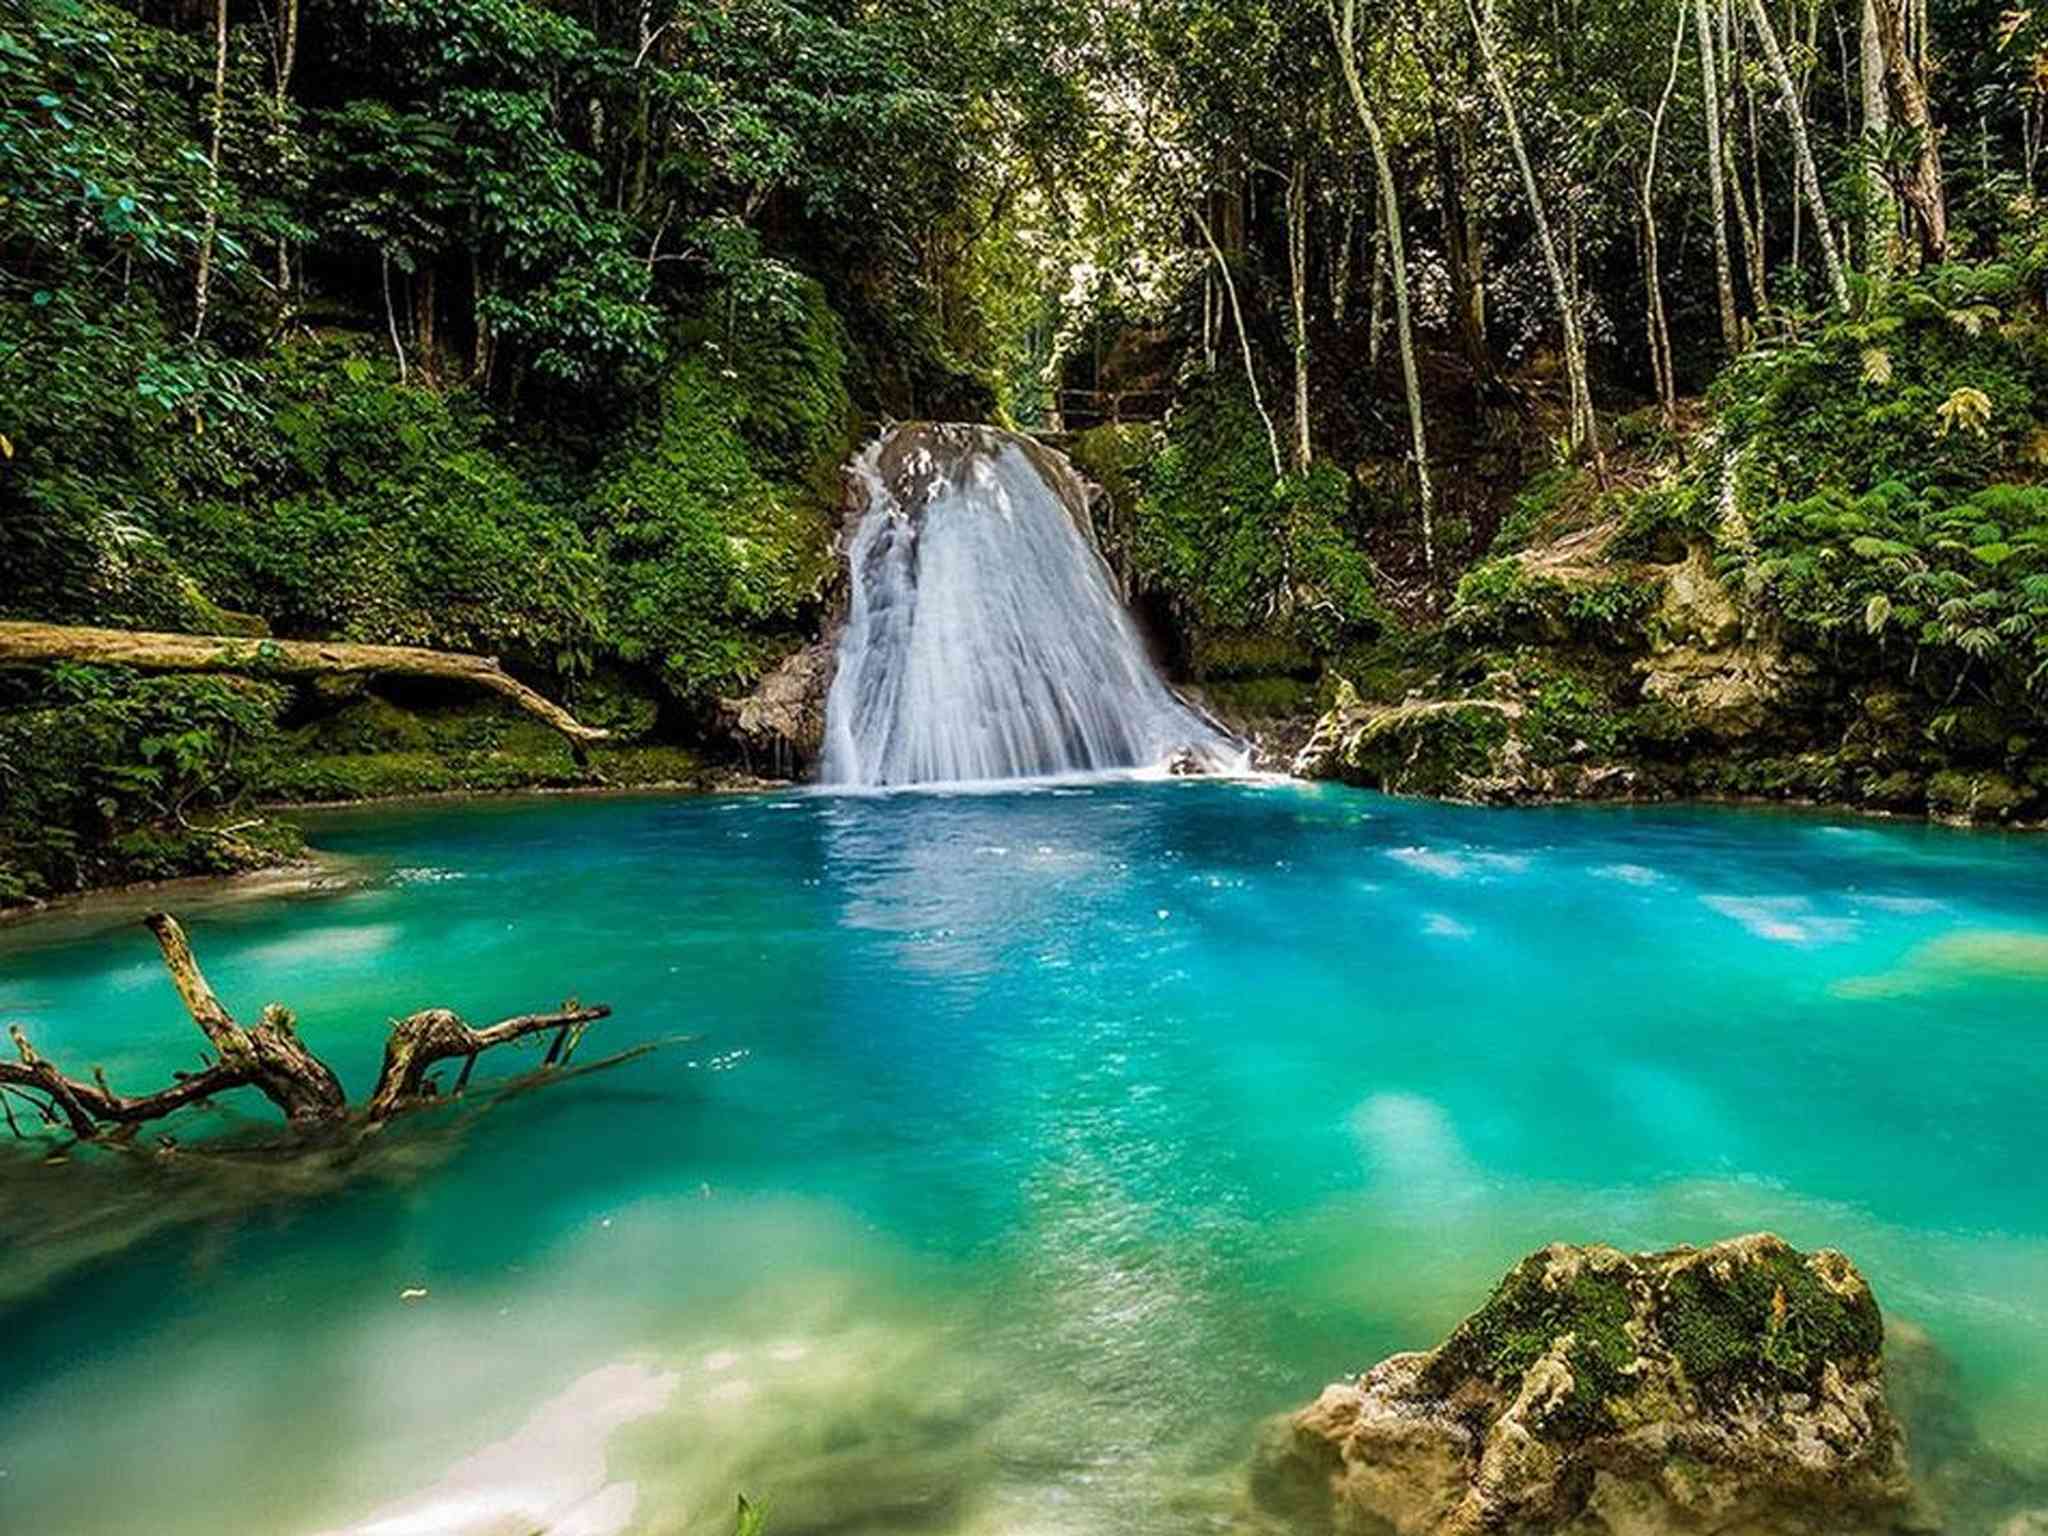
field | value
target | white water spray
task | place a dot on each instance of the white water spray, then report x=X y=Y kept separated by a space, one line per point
x=985 y=638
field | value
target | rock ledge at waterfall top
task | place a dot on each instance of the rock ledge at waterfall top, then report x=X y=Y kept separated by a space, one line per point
x=1734 y=1388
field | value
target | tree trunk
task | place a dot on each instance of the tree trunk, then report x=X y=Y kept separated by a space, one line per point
x=202 y=285
x=1585 y=429
x=1376 y=319
x=1342 y=251
x=1297 y=283
x=23 y=644
x=1906 y=84
x=391 y=314
x=1464 y=250
x=1344 y=32
x=1882 y=218
x=426 y=321
x=1663 y=364
x=1717 y=187
x=287 y=61
x=1802 y=150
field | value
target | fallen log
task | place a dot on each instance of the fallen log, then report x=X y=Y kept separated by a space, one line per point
x=273 y=1060
x=23 y=643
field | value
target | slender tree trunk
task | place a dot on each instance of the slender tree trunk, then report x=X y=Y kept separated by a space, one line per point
x=1907 y=86
x=1717 y=189
x=287 y=61
x=1341 y=255
x=1344 y=32
x=1464 y=253
x=217 y=111
x=426 y=321
x=1297 y=282
x=1377 y=321
x=391 y=314
x=1802 y=150
x=1244 y=341
x=1585 y=429
x=1663 y=363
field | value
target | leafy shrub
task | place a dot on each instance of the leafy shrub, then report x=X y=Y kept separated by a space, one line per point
x=91 y=755
x=1965 y=580
x=1938 y=380
x=1232 y=546
x=376 y=511
x=712 y=526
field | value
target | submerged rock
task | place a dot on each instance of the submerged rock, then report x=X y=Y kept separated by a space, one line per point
x=1738 y=1387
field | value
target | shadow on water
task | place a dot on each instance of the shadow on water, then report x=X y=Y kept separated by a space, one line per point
x=73 y=1208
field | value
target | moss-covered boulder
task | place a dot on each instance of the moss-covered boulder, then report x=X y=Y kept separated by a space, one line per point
x=1450 y=749
x=1738 y=1387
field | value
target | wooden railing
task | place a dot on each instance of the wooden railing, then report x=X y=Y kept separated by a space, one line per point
x=1080 y=408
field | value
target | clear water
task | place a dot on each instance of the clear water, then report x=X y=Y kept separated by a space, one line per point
x=984 y=638
x=1032 y=1147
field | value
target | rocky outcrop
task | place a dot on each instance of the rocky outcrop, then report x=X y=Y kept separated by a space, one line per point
x=1735 y=1388
x=779 y=728
x=1478 y=749
x=1451 y=749
x=1727 y=679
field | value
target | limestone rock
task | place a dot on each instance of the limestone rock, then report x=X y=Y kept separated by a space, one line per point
x=1449 y=748
x=780 y=726
x=1735 y=1388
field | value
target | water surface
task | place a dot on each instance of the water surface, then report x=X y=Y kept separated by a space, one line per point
x=1031 y=1146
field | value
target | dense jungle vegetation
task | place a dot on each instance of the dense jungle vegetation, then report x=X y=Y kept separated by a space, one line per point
x=538 y=328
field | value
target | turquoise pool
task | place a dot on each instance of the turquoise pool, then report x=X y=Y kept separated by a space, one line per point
x=1028 y=1149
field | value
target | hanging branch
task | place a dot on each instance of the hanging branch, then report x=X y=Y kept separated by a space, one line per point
x=1244 y=342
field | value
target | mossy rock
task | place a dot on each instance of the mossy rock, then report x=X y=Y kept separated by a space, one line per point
x=1738 y=1387
x=1248 y=653
x=1445 y=748
x=1959 y=794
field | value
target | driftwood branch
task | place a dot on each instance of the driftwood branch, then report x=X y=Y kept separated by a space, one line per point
x=26 y=643
x=271 y=1059
x=435 y=1035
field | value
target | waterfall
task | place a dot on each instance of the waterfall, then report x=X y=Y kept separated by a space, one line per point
x=985 y=638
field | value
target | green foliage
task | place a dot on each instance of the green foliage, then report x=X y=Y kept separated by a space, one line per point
x=371 y=747
x=1963 y=382
x=377 y=511
x=1535 y=505
x=103 y=771
x=1611 y=611
x=1659 y=525
x=712 y=527
x=1501 y=598
x=1962 y=580
x=1233 y=547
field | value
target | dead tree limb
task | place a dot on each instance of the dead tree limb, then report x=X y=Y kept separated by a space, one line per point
x=25 y=643
x=434 y=1035
x=271 y=1059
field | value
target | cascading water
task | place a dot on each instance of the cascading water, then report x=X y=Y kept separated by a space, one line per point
x=985 y=638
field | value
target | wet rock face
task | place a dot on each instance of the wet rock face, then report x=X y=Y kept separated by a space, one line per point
x=780 y=726
x=1736 y=1388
